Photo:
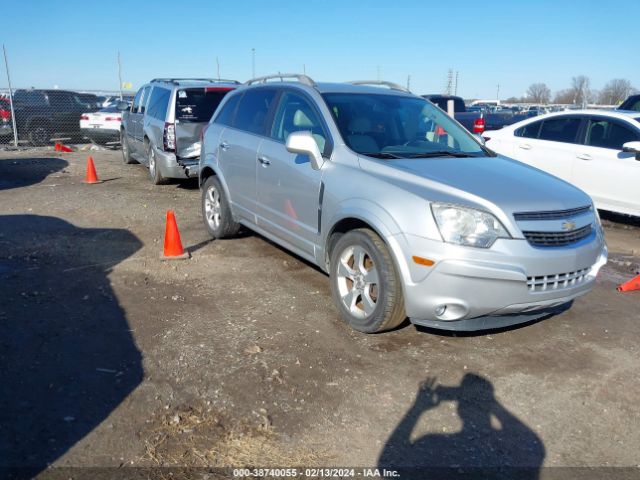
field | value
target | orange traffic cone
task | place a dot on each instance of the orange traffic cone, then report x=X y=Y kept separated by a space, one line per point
x=630 y=285
x=172 y=243
x=59 y=147
x=91 y=176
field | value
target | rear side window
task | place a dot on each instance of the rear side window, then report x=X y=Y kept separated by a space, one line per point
x=30 y=98
x=562 y=129
x=136 y=101
x=605 y=133
x=225 y=117
x=158 y=103
x=253 y=110
x=529 y=131
x=198 y=104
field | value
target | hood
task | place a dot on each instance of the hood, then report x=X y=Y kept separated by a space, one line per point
x=510 y=185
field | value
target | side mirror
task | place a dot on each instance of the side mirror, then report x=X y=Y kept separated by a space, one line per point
x=303 y=143
x=122 y=105
x=632 y=147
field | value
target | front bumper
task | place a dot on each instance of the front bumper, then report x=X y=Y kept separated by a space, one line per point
x=492 y=288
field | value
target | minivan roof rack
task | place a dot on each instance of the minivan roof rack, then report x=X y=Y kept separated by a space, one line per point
x=177 y=81
x=391 y=85
x=299 y=77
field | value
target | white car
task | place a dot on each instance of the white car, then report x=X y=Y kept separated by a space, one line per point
x=102 y=127
x=596 y=150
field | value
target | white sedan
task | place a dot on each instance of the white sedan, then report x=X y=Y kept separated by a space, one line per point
x=102 y=127
x=596 y=150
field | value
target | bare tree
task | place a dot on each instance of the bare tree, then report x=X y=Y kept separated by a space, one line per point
x=580 y=88
x=538 y=93
x=564 y=96
x=615 y=91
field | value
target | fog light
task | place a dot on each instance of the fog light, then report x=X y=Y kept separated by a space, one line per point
x=440 y=309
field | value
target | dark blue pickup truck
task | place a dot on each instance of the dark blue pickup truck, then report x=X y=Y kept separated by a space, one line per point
x=475 y=121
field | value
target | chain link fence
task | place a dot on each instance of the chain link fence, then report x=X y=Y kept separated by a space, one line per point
x=31 y=117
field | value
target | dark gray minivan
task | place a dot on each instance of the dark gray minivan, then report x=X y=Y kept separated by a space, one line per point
x=162 y=128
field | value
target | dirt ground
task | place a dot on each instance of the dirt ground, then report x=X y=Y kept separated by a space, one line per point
x=112 y=357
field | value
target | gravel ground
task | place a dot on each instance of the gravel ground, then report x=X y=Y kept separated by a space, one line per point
x=112 y=357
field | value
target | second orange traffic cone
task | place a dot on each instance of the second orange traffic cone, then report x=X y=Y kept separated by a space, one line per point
x=172 y=244
x=91 y=176
x=630 y=285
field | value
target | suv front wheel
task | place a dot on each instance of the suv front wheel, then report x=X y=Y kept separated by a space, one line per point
x=364 y=282
x=216 y=211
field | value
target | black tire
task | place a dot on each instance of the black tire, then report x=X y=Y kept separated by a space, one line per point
x=39 y=134
x=126 y=151
x=154 y=171
x=374 y=306
x=215 y=202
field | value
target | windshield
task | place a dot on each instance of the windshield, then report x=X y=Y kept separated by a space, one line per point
x=394 y=126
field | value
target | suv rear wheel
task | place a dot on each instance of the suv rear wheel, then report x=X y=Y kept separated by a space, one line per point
x=216 y=212
x=364 y=282
x=39 y=134
x=154 y=170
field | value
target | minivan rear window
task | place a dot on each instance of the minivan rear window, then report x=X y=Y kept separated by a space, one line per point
x=198 y=104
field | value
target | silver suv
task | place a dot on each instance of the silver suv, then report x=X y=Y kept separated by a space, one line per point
x=163 y=125
x=409 y=213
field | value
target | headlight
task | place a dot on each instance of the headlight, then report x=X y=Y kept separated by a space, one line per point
x=467 y=226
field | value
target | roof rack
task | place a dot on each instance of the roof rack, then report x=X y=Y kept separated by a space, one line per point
x=299 y=77
x=391 y=85
x=177 y=81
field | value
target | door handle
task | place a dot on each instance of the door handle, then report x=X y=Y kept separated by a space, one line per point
x=584 y=156
x=224 y=146
x=525 y=146
x=264 y=161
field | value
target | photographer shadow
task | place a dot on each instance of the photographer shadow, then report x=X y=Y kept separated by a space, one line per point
x=67 y=354
x=493 y=443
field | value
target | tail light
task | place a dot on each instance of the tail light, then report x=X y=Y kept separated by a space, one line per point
x=169 y=137
x=478 y=125
x=5 y=115
x=113 y=119
x=84 y=117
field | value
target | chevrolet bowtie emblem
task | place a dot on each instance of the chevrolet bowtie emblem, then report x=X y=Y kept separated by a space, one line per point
x=568 y=225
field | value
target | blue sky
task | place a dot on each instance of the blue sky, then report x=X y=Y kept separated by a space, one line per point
x=513 y=43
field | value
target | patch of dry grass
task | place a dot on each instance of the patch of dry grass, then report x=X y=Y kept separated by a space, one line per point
x=202 y=437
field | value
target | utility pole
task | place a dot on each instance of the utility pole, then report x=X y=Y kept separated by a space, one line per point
x=119 y=75
x=13 y=114
x=455 y=90
x=253 y=62
x=218 y=65
x=304 y=68
x=498 y=92
x=408 y=82
x=449 y=89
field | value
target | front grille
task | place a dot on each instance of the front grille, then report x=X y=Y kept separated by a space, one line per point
x=557 y=239
x=551 y=215
x=557 y=281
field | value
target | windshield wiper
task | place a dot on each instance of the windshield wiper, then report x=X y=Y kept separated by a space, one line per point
x=381 y=155
x=441 y=153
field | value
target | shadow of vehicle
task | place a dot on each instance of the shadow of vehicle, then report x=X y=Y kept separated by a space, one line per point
x=493 y=443
x=67 y=355
x=22 y=172
x=620 y=218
